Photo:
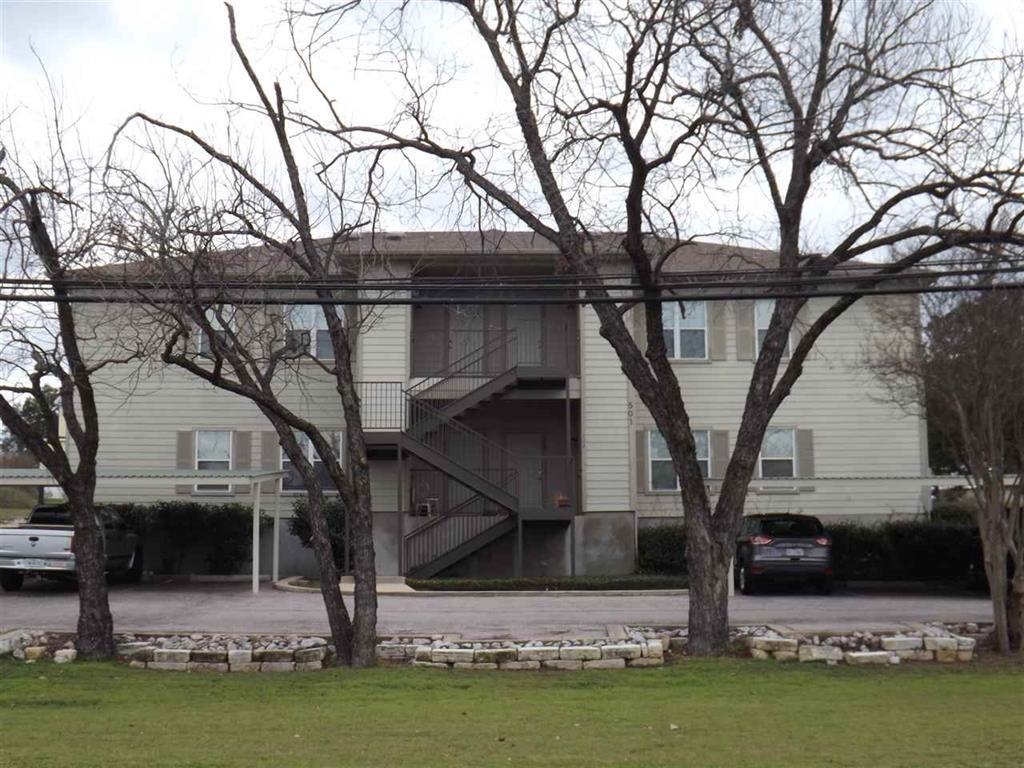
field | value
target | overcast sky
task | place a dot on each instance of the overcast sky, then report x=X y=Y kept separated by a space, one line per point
x=112 y=57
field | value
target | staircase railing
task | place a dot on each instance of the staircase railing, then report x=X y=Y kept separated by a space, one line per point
x=459 y=443
x=442 y=534
x=474 y=369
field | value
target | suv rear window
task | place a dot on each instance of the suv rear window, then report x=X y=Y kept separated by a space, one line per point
x=791 y=527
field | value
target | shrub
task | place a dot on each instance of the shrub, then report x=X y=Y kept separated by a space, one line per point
x=544 y=583
x=896 y=550
x=222 y=531
x=335 y=513
x=661 y=549
x=905 y=550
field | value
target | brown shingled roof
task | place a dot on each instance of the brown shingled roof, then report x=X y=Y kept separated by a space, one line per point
x=450 y=247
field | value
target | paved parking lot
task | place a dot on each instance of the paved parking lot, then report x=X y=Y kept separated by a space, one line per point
x=233 y=608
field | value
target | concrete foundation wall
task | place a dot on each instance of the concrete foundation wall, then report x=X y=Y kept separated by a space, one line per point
x=605 y=543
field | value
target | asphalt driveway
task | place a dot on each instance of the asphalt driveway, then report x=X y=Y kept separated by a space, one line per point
x=232 y=608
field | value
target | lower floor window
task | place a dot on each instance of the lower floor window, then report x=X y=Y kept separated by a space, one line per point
x=662 y=473
x=213 y=453
x=293 y=480
x=778 y=453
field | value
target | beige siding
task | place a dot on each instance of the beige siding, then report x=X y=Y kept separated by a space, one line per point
x=604 y=421
x=143 y=405
x=383 y=347
x=856 y=433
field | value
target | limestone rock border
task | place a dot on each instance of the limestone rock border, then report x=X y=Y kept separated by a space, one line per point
x=642 y=647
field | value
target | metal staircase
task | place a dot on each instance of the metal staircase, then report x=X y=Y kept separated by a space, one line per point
x=478 y=500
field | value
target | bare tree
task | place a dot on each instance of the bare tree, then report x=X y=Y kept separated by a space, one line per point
x=51 y=223
x=960 y=356
x=183 y=246
x=622 y=117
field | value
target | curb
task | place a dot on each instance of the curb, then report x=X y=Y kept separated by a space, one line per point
x=289 y=585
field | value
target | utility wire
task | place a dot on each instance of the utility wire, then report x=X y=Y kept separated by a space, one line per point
x=672 y=281
x=682 y=294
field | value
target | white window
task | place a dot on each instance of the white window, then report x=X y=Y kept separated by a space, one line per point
x=293 y=480
x=778 y=453
x=220 y=320
x=685 y=325
x=306 y=329
x=662 y=474
x=763 y=310
x=213 y=452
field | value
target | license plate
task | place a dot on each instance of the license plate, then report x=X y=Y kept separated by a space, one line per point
x=33 y=563
x=794 y=553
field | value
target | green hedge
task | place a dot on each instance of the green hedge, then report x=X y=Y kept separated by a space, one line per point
x=544 y=583
x=898 y=550
x=662 y=549
x=335 y=513
x=905 y=550
x=222 y=531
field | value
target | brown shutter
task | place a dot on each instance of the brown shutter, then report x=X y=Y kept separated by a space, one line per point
x=716 y=330
x=241 y=455
x=641 y=461
x=185 y=457
x=744 y=329
x=805 y=453
x=241 y=451
x=719 y=440
x=270 y=451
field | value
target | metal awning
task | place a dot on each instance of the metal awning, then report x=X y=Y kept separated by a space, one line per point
x=255 y=477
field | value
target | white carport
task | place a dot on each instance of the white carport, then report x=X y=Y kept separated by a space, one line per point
x=255 y=478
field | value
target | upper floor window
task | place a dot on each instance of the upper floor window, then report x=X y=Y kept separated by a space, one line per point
x=662 y=474
x=220 y=320
x=293 y=480
x=778 y=453
x=306 y=330
x=685 y=325
x=763 y=311
x=213 y=452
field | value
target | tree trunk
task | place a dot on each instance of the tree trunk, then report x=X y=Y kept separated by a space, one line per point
x=364 y=571
x=708 y=575
x=95 y=624
x=1015 y=617
x=994 y=550
x=330 y=589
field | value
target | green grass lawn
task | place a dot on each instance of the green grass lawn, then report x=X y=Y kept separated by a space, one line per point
x=10 y=515
x=16 y=502
x=729 y=713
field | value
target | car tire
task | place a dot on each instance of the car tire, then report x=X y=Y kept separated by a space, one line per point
x=744 y=581
x=134 y=573
x=11 y=581
x=825 y=586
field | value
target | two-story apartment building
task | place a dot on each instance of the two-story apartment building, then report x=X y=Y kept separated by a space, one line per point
x=504 y=437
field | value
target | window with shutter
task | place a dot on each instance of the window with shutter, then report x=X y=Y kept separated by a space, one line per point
x=778 y=453
x=662 y=474
x=213 y=452
x=685 y=325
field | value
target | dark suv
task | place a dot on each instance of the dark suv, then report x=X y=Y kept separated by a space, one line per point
x=782 y=547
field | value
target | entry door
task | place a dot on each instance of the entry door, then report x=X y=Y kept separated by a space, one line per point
x=526 y=321
x=528 y=448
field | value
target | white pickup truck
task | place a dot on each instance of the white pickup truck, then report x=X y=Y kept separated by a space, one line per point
x=45 y=546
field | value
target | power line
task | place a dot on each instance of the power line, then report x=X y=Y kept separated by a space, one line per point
x=675 y=281
x=679 y=295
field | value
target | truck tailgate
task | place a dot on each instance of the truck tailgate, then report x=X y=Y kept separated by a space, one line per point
x=34 y=544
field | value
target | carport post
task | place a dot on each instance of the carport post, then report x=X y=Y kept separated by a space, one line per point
x=277 y=530
x=257 y=487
